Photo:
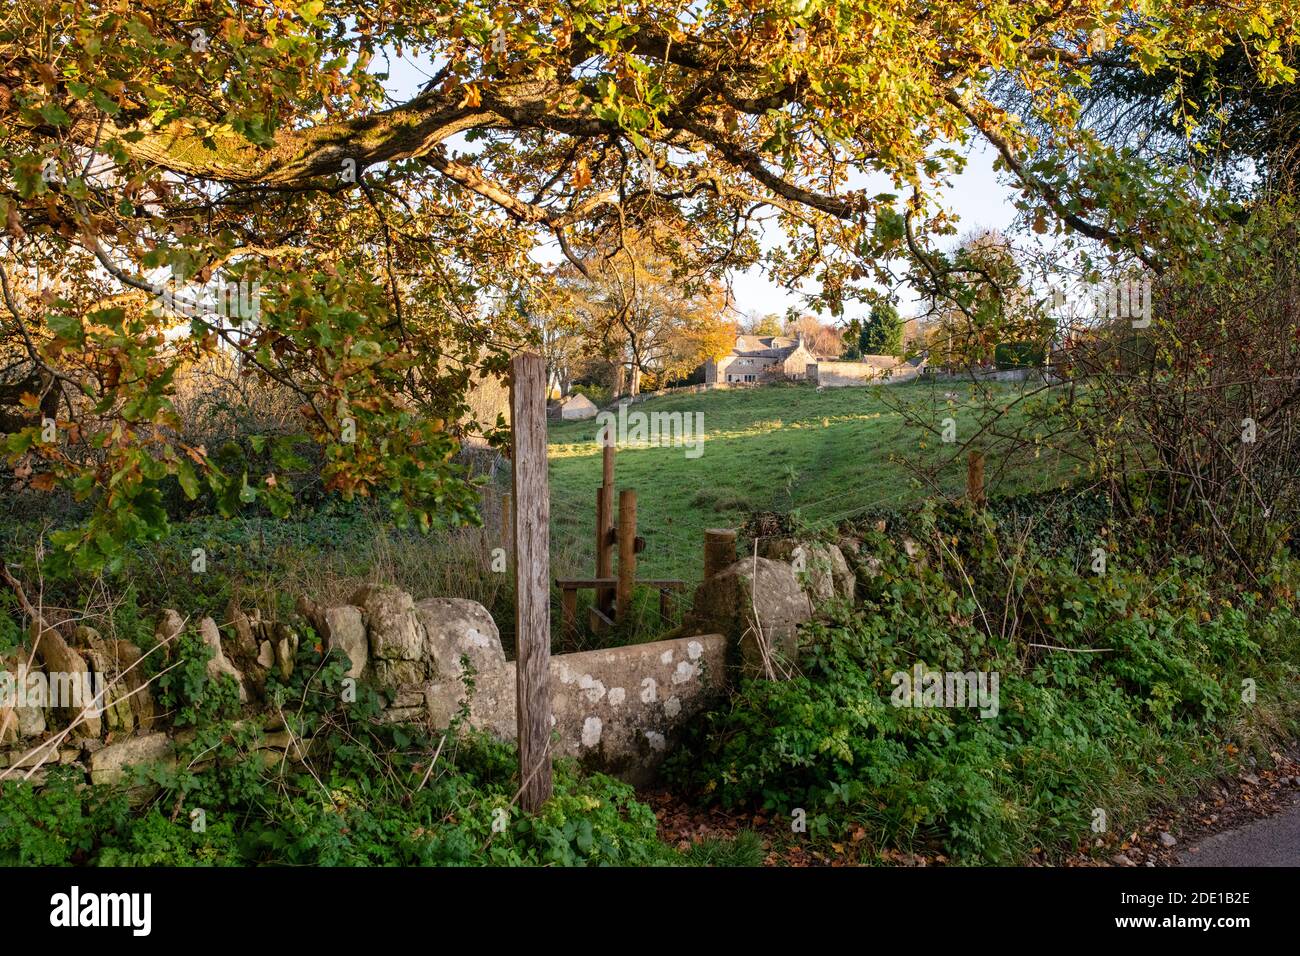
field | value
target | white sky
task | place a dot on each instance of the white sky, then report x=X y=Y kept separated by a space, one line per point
x=976 y=196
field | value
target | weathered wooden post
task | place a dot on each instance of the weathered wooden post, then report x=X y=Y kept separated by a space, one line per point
x=607 y=461
x=532 y=564
x=719 y=550
x=604 y=602
x=569 y=611
x=506 y=536
x=975 y=479
x=626 y=552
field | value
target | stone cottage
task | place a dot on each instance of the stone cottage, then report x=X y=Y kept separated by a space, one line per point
x=761 y=358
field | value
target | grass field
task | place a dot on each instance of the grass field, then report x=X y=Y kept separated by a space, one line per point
x=825 y=455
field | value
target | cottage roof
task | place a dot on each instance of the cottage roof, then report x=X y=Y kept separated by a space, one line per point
x=765 y=346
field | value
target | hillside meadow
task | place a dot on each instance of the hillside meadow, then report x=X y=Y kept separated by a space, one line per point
x=820 y=455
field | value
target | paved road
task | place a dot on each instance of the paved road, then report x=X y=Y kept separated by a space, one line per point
x=1273 y=841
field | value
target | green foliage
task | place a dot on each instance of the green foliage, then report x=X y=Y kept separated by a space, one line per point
x=744 y=849
x=883 y=332
x=1012 y=355
x=10 y=633
x=184 y=688
x=365 y=797
x=1121 y=728
x=852 y=340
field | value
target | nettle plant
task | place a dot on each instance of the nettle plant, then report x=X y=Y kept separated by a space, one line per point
x=389 y=238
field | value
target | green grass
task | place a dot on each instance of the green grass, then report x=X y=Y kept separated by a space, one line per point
x=825 y=455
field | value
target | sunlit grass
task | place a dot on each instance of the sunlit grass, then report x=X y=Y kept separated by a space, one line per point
x=826 y=455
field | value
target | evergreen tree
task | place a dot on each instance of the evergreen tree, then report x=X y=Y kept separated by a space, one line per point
x=883 y=332
x=853 y=340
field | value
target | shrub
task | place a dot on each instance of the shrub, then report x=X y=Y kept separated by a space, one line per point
x=1078 y=727
x=1011 y=355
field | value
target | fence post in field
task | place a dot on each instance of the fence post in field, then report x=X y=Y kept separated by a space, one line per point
x=975 y=479
x=532 y=566
x=569 y=612
x=719 y=550
x=604 y=537
x=626 y=552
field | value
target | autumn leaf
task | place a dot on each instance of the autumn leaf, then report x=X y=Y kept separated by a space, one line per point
x=581 y=175
x=13 y=225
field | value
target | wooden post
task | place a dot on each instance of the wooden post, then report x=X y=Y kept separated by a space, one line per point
x=532 y=557
x=604 y=538
x=975 y=479
x=719 y=550
x=505 y=520
x=569 y=611
x=626 y=552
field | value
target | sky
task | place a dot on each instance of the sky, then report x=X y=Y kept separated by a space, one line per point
x=976 y=196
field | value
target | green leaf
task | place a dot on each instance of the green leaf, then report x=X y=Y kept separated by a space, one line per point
x=189 y=481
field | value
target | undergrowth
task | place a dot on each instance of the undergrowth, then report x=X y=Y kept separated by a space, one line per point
x=1118 y=690
x=368 y=794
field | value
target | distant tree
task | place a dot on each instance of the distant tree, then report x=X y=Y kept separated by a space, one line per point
x=560 y=334
x=820 y=339
x=769 y=324
x=635 y=314
x=852 y=340
x=994 y=306
x=882 y=334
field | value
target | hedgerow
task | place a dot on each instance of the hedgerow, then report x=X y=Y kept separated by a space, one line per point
x=1117 y=691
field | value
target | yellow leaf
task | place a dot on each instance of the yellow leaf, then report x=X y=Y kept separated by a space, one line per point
x=473 y=97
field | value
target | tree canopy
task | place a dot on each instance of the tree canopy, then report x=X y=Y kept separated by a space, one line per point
x=147 y=149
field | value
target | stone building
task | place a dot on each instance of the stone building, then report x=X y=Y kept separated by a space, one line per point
x=761 y=358
x=865 y=370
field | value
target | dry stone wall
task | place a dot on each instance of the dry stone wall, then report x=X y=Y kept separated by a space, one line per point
x=620 y=709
